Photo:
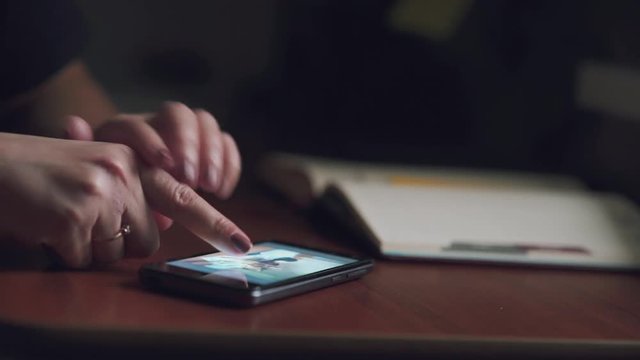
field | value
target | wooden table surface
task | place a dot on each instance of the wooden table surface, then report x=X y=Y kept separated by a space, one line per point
x=412 y=308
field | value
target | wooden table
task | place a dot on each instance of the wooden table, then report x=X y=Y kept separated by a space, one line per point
x=400 y=310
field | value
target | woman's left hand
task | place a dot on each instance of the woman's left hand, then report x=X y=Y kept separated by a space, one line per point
x=188 y=143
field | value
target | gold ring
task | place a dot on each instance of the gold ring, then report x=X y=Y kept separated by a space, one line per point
x=125 y=230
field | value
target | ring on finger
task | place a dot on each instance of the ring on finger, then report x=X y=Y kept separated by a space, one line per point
x=124 y=230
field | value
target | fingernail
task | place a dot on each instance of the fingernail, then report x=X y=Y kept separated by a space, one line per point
x=241 y=242
x=190 y=173
x=212 y=178
x=166 y=161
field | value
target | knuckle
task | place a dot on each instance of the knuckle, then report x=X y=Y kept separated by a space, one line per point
x=92 y=181
x=69 y=218
x=122 y=152
x=119 y=159
x=183 y=196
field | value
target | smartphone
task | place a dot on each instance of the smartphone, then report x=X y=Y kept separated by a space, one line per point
x=272 y=270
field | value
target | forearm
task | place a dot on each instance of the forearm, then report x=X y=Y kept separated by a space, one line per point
x=8 y=150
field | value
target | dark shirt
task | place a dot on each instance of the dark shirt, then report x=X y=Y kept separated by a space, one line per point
x=37 y=39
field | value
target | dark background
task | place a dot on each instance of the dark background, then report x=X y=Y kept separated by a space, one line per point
x=348 y=79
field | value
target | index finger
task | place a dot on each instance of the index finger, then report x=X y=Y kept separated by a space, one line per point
x=184 y=205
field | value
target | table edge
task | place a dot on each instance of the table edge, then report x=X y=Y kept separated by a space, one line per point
x=35 y=340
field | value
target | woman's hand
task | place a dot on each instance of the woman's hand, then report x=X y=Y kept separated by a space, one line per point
x=187 y=143
x=74 y=196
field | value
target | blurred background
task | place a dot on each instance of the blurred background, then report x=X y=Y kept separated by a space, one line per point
x=534 y=85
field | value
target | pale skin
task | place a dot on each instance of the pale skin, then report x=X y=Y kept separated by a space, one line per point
x=113 y=170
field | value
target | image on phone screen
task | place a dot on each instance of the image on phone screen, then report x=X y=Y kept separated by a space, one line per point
x=267 y=263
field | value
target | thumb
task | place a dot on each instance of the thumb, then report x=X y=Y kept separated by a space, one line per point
x=76 y=128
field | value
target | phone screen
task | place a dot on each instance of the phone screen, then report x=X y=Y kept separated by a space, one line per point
x=267 y=263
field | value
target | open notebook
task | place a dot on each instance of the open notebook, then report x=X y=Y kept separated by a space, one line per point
x=465 y=215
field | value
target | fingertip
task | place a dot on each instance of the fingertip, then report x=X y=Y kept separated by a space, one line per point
x=163 y=222
x=241 y=242
x=175 y=108
x=76 y=128
x=238 y=243
x=224 y=193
